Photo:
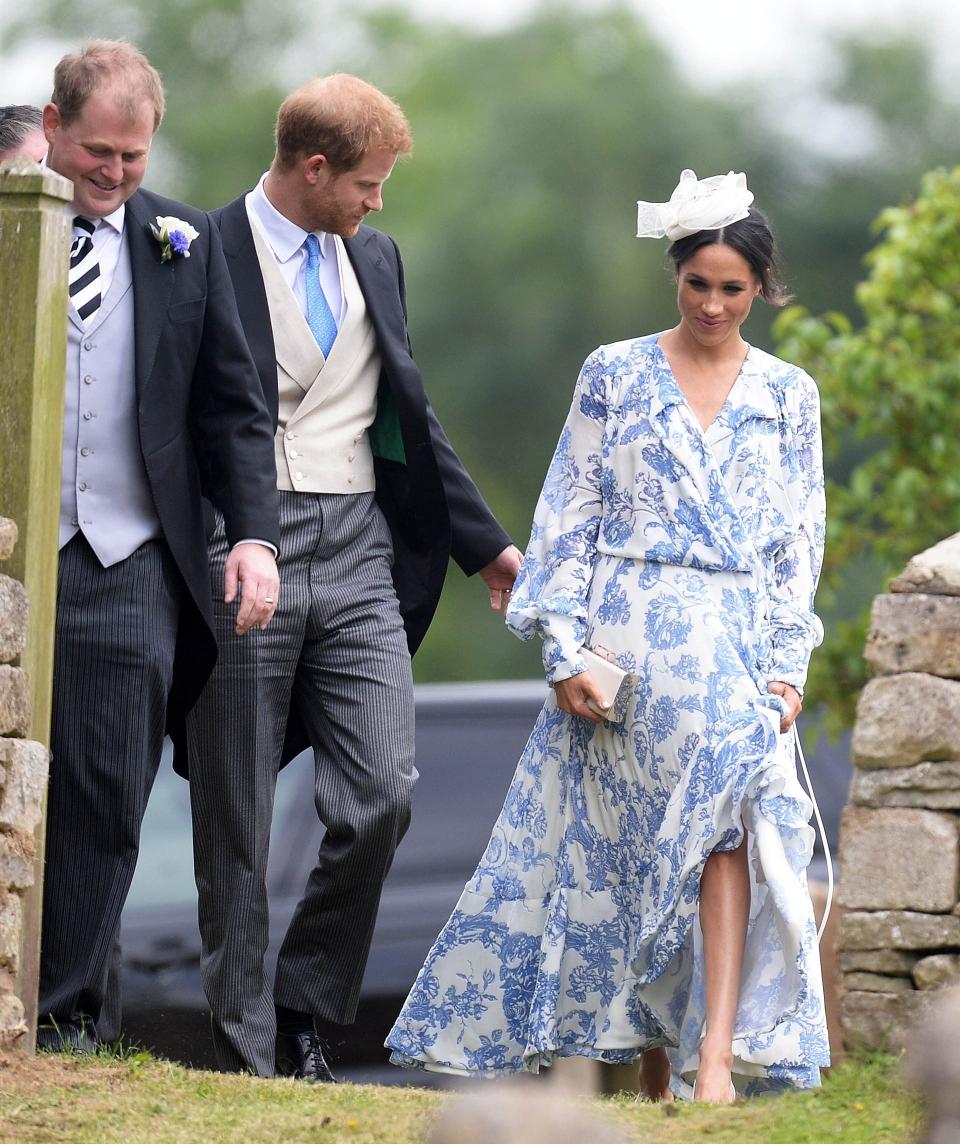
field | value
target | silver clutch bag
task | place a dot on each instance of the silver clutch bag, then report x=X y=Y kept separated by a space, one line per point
x=616 y=684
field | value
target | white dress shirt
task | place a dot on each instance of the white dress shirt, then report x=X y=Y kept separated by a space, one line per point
x=286 y=240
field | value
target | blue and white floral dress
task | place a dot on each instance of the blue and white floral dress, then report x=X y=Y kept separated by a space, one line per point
x=692 y=555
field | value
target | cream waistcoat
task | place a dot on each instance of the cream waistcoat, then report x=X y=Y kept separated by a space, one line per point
x=327 y=405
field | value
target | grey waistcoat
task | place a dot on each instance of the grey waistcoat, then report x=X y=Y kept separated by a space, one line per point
x=104 y=491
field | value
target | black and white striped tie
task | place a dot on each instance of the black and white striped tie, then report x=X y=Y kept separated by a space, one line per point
x=83 y=281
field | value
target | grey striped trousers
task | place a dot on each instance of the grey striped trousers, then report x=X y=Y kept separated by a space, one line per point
x=336 y=647
x=113 y=663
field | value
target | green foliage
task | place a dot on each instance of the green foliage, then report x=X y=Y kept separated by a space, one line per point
x=891 y=416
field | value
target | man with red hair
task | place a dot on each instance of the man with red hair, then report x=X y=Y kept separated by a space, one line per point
x=373 y=502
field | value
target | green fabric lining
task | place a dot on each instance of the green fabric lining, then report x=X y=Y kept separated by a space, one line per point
x=386 y=440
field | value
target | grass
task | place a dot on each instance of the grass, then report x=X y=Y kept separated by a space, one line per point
x=863 y=1101
x=136 y=1098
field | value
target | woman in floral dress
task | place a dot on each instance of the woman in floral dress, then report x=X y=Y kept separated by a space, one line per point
x=644 y=892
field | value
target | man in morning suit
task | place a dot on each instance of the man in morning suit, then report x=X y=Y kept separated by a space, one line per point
x=162 y=403
x=373 y=502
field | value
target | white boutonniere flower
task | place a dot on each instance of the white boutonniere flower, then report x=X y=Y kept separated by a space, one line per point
x=174 y=236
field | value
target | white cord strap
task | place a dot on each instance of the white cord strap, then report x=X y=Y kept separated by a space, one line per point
x=823 y=834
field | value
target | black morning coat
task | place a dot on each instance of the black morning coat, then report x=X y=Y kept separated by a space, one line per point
x=431 y=504
x=204 y=427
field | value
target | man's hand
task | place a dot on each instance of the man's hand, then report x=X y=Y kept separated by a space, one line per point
x=251 y=568
x=792 y=699
x=500 y=574
x=573 y=693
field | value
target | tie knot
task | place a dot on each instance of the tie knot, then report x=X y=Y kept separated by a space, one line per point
x=84 y=225
x=312 y=243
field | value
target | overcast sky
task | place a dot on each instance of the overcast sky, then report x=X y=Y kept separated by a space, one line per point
x=715 y=42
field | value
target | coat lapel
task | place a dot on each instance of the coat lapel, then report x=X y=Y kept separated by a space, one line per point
x=248 y=287
x=153 y=283
x=379 y=287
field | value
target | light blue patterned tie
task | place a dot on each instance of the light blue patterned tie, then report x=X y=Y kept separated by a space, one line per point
x=319 y=316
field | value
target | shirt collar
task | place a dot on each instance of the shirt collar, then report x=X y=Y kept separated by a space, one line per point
x=284 y=236
x=115 y=219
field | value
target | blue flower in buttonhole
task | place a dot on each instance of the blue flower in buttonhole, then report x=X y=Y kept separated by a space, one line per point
x=174 y=236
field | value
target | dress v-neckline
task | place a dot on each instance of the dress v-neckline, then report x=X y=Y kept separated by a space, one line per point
x=706 y=431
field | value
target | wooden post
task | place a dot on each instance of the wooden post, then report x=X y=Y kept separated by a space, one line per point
x=34 y=247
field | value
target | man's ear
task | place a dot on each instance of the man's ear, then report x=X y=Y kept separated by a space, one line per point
x=51 y=121
x=314 y=167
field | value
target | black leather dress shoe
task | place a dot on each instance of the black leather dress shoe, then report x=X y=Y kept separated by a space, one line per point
x=300 y=1055
x=66 y=1037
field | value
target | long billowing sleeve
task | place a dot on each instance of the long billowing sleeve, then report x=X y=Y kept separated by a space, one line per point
x=550 y=596
x=793 y=567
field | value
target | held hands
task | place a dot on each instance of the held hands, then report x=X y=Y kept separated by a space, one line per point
x=573 y=693
x=251 y=568
x=500 y=574
x=792 y=700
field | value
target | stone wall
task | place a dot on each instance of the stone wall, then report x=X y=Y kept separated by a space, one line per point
x=23 y=779
x=900 y=833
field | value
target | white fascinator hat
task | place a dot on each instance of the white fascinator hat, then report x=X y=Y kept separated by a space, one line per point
x=695 y=205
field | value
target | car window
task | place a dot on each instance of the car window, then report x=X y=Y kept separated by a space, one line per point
x=164 y=875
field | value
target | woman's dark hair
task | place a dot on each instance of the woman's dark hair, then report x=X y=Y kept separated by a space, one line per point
x=751 y=237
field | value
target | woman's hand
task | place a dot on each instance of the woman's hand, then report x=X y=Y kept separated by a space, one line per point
x=791 y=698
x=573 y=693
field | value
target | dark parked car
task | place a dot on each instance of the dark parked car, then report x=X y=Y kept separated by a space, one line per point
x=469 y=738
